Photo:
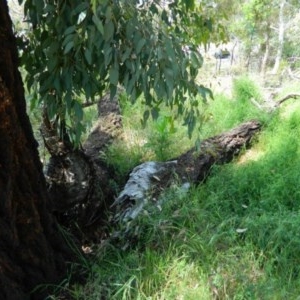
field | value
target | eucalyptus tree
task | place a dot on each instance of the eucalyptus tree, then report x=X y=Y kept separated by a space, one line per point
x=291 y=50
x=281 y=33
x=78 y=49
x=287 y=13
x=253 y=27
x=31 y=250
x=261 y=25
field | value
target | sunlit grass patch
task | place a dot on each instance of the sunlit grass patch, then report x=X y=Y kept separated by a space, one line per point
x=250 y=155
x=184 y=280
x=236 y=273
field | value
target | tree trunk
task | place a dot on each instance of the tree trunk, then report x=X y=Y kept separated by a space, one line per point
x=79 y=180
x=265 y=59
x=281 y=30
x=30 y=246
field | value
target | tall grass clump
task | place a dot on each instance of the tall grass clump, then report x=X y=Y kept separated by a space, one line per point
x=244 y=89
x=160 y=258
x=255 y=205
x=156 y=140
x=161 y=137
x=224 y=113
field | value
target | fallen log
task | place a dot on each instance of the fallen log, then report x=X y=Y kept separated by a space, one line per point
x=79 y=181
x=149 y=179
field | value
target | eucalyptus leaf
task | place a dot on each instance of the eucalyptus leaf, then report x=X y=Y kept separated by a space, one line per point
x=78 y=110
x=69 y=47
x=140 y=45
x=80 y=8
x=109 y=29
x=66 y=40
x=114 y=75
x=98 y=24
x=88 y=55
x=69 y=30
x=154 y=113
x=126 y=54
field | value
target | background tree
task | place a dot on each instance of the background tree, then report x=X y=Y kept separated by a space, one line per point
x=261 y=26
x=288 y=10
x=291 y=51
x=253 y=27
x=281 y=34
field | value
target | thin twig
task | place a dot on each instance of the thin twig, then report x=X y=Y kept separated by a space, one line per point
x=287 y=97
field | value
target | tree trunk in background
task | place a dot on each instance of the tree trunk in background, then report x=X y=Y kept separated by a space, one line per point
x=266 y=46
x=30 y=246
x=281 y=29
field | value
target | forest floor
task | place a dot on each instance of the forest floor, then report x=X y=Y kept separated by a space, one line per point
x=234 y=237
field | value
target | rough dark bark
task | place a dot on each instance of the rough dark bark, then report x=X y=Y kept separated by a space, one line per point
x=78 y=180
x=31 y=250
x=107 y=127
x=194 y=165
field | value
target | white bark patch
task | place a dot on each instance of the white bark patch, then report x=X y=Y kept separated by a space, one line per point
x=143 y=180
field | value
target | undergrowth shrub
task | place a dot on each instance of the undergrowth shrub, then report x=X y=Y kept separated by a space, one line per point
x=244 y=89
x=161 y=137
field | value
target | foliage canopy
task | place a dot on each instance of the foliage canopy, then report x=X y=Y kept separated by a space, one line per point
x=87 y=47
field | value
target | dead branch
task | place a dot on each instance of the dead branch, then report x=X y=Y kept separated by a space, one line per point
x=287 y=97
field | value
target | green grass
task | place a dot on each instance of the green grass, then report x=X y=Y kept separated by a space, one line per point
x=234 y=237
x=224 y=113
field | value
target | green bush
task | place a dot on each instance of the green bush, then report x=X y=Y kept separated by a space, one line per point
x=161 y=137
x=223 y=113
x=244 y=89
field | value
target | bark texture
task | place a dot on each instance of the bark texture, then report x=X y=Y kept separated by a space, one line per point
x=194 y=165
x=30 y=246
x=79 y=180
